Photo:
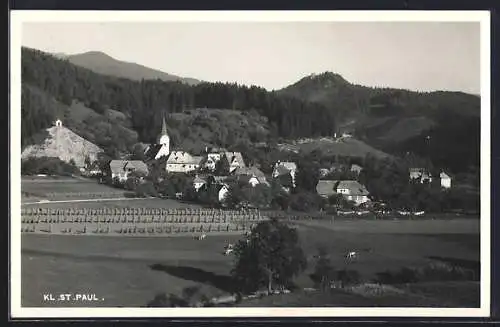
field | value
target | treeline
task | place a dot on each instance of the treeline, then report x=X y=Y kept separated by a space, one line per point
x=145 y=101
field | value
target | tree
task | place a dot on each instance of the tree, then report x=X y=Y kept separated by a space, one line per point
x=271 y=256
x=324 y=272
x=306 y=201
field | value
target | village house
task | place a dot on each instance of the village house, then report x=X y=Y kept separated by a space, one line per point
x=121 y=169
x=235 y=160
x=350 y=190
x=420 y=174
x=251 y=175
x=211 y=160
x=285 y=168
x=445 y=180
x=356 y=169
x=198 y=183
x=222 y=191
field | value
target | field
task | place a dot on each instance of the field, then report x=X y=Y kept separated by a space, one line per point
x=130 y=271
x=68 y=192
x=65 y=188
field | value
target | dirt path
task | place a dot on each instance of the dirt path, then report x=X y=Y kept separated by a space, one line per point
x=84 y=200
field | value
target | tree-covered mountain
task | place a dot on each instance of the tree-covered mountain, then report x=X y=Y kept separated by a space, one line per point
x=400 y=121
x=102 y=63
x=395 y=121
x=143 y=102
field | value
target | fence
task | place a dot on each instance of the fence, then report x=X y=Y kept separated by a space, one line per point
x=136 y=221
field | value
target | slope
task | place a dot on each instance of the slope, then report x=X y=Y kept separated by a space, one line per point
x=102 y=63
x=399 y=121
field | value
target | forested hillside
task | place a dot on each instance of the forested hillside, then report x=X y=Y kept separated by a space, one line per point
x=143 y=102
x=443 y=126
x=117 y=113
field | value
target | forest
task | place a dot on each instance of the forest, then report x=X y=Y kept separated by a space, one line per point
x=145 y=101
x=441 y=126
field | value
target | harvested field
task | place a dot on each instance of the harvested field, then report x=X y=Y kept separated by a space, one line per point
x=130 y=271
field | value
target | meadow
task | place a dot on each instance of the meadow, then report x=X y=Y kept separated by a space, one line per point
x=65 y=188
x=130 y=271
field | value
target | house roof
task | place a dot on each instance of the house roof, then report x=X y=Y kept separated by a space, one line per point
x=354 y=187
x=235 y=157
x=287 y=164
x=197 y=159
x=252 y=171
x=152 y=150
x=444 y=175
x=118 y=166
x=355 y=167
x=199 y=179
x=326 y=187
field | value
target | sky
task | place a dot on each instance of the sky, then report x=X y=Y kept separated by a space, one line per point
x=423 y=56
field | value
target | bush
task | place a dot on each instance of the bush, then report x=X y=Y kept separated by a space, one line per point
x=347 y=277
x=48 y=166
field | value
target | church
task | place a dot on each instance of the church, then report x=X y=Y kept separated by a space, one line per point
x=177 y=161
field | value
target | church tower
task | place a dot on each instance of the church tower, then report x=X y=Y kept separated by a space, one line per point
x=164 y=139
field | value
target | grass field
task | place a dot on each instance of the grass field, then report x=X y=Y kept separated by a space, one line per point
x=131 y=271
x=74 y=190
x=35 y=188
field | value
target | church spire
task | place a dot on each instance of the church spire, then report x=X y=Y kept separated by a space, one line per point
x=164 y=126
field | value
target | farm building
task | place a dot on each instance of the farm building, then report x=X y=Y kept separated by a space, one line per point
x=122 y=168
x=420 y=174
x=445 y=180
x=182 y=162
x=351 y=190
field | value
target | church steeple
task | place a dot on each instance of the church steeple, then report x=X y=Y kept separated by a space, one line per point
x=164 y=126
x=163 y=138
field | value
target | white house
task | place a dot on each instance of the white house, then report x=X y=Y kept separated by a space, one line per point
x=198 y=183
x=351 y=190
x=223 y=192
x=420 y=174
x=182 y=162
x=445 y=180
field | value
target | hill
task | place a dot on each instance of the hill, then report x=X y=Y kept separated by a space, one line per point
x=64 y=144
x=143 y=102
x=389 y=120
x=343 y=147
x=399 y=121
x=102 y=63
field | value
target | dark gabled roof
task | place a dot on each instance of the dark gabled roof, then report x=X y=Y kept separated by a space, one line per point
x=326 y=187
